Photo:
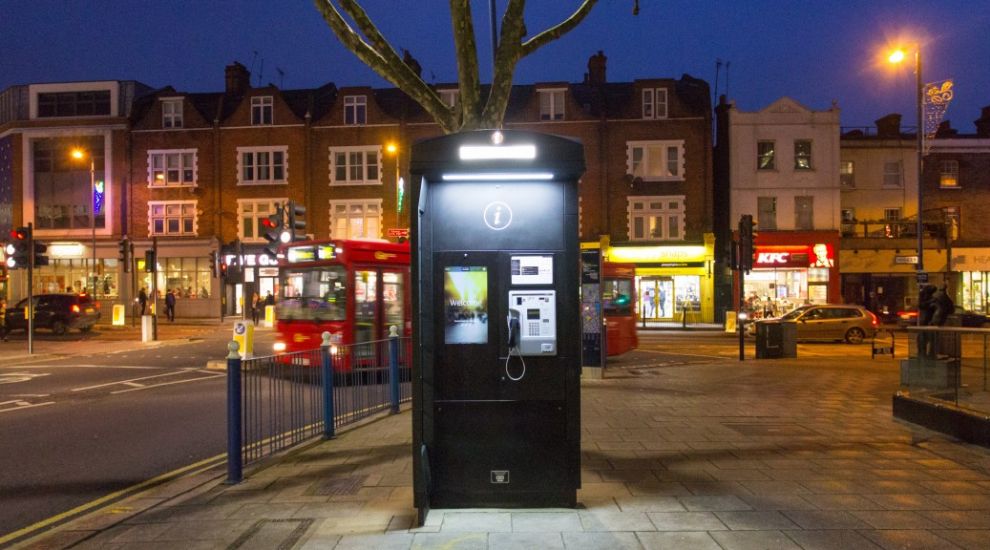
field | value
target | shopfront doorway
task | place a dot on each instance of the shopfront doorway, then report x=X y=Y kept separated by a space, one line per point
x=665 y=298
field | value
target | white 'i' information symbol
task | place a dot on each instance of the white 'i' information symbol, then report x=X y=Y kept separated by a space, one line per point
x=498 y=215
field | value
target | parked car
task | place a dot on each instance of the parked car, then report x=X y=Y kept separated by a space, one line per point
x=830 y=322
x=56 y=312
x=960 y=318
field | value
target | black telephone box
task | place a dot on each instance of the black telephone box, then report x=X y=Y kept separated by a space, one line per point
x=497 y=333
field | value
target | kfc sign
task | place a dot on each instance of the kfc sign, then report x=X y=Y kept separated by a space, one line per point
x=773 y=258
x=817 y=255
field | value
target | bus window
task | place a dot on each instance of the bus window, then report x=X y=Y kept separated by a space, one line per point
x=616 y=297
x=314 y=294
x=365 y=295
x=392 y=299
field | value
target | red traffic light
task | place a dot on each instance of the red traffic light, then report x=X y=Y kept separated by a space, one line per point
x=18 y=234
x=268 y=223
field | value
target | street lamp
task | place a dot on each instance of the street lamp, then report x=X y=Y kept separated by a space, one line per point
x=80 y=154
x=898 y=56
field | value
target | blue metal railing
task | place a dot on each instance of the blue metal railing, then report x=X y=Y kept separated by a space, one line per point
x=279 y=401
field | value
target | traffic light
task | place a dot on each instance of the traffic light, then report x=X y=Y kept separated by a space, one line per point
x=223 y=269
x=150 y=261
x=124 y=254
x=40 y=258
x=214 y=264
x=296 y=221
x=19 y=249
x=746 y=238
x=276 y=232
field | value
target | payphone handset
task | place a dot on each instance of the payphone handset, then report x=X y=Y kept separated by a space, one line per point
x=533 y=322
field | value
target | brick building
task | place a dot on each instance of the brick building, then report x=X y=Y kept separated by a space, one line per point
x=198 y=172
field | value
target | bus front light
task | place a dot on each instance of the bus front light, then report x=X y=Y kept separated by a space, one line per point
x=278 y=347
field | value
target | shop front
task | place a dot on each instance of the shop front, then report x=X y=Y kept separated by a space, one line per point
x=184 y=270
x=671 y=280
x=885 y=280
x=250 y=270
x=789 y=271
x=971 y=267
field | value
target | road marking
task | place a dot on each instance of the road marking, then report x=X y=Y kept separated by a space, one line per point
x=133 y=380
x=168 y=384
x=20 y=404
x=36 y=366
x=192 y=469
x=658 y=352
x=15 y=377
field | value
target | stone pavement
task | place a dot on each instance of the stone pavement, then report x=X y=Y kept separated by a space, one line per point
x=723 y=455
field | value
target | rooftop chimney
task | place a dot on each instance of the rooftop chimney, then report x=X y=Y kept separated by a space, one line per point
x=983 y=123
x=945 y=130
x=596 y=68
x=889 y=126
x=237 y=79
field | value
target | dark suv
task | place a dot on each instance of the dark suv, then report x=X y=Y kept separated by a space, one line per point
x=57 y=312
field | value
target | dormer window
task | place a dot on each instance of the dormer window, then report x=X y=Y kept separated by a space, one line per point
x=261 y=110
x=74 y=103
x=355 y=109
x=450 y=97
x=552 y=104
x=654 y=103
x=172 y=113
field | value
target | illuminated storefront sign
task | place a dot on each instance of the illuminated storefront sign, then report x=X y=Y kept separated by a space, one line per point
x=66 y=250
x=795 y=256
x=665 y=256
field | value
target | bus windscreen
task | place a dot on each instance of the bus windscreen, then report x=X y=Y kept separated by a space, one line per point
x=314 y=294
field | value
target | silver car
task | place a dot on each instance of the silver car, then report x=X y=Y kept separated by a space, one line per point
x=833 y=322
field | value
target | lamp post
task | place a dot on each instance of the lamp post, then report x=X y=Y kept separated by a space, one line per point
x=80 y=154
x=897 y=56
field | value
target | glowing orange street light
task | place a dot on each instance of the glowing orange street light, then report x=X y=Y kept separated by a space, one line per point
x=898 y=56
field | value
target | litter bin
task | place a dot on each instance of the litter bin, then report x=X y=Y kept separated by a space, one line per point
x=776 y=339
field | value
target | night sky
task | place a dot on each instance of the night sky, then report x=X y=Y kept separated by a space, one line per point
x=812 y=51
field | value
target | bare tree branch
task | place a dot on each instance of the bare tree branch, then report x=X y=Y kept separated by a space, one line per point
x=387 y=63
x=558 y=30
x=467 y=60
x=506 y=57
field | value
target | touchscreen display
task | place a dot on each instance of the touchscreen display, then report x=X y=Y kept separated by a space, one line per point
x=465 y=299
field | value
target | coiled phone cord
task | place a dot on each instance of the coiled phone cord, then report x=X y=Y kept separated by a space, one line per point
x=521 y=360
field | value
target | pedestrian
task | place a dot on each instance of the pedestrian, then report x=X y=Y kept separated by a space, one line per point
x=943 y=306
x=170 y=305
x=3 y=320
x=269 y=299
x=143 y=299
x=255 y=308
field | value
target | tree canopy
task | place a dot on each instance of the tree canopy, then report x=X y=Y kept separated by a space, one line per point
x=473 y=111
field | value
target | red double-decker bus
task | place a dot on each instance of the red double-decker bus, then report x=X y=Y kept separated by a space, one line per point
x=619 y=307
x=355 y=290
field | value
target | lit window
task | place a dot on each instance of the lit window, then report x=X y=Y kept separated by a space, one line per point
x=848 y=215
x=355 y=109
x=261 y=110
x=172 y=218
x=654 y=103
x=172 y=113
x=359 y=165
x=655 y=160
x=949 y=173
x=891 y=214
x=892 y=174
x=263 y=165
x=251 y=214
x=847 y=174
x=356 y=219
x=802 y=154
x=765 y=155
x=172 y=167
x=552 y=104
x=656 y=218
